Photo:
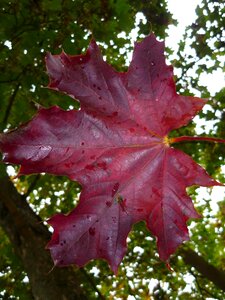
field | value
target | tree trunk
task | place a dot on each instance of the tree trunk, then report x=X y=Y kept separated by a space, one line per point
x=29 y=238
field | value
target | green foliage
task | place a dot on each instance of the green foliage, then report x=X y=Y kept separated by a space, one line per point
x=34 y=27
x=13 y=280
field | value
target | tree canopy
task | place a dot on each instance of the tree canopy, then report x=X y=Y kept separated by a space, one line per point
x=28 y=30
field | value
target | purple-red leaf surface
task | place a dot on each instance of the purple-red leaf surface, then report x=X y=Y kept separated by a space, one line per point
x=117 y=147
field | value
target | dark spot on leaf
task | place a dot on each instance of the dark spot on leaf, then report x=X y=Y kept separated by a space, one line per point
x=139 y=209
x=82 y=143
x=68 y=165
x=67 y=149
x=64 y=241
x=92 y=157
x=89 y=167
x=83 y=151
x=94 y=85
x=107 y=238
x=114 y=219
x=74 y=225
x=131 y=129
x=115 y=188
x=92 y=231
x=100 y=98
x=102 y=165
x=152 y=63
x=99 y=88
x=108 y=203
x=115 y=113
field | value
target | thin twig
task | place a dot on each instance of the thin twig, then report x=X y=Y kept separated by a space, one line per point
x=197 y=283
x=32 y=186
x=200 y=288
x=11 y=100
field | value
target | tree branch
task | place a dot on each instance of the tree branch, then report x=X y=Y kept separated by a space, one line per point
x=210 y=272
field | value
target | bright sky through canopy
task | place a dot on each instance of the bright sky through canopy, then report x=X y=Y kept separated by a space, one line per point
x=184 y=12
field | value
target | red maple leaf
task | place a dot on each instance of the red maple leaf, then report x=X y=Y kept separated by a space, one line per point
x=117 y=147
